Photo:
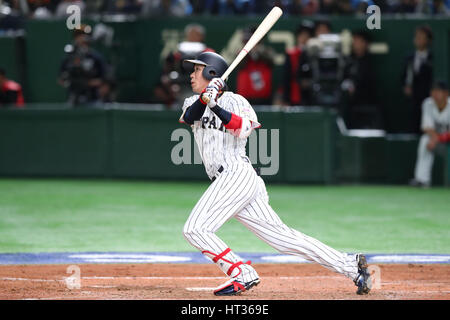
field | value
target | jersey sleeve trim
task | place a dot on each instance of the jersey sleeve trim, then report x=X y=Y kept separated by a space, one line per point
x=234 y=123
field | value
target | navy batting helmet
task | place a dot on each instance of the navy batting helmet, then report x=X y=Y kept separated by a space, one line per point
x=215 y=65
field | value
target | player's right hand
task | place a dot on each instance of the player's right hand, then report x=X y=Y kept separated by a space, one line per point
x=211 y=96
x=208 y=97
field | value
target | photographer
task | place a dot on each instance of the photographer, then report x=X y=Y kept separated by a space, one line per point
x=294 y=92
x=360 y=110
x=173 y=85
x=255 y=73
x=83 y=70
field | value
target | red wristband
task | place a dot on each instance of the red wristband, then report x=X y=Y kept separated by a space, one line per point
x=235 y=122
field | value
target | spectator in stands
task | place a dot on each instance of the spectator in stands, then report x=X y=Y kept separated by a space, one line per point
x=40 y=9
x=10 y=18
x=435 y=7
x=173 y=85
x=254 y=76
x=303 y=7
x=223 y=7
x=10 y=92
x=436 y=132
x=418 y=74
x=176 y=8
x=83 y=70
x=342 y=7
x=131 y=7
x=385 y=6
x=360 y=110
x=405 y=6
x=151 y=8
x=122 y=6
x=321 y=26
x=94 y=6
x=61 y=9
x=360 y=6
x=13 y=4
x=293 y=91
x=198 y=6
x=326 y=6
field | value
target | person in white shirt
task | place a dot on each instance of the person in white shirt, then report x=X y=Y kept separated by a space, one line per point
x=436 y=132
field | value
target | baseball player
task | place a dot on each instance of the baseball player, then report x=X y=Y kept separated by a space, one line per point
x=221 y=128
x=436 y=132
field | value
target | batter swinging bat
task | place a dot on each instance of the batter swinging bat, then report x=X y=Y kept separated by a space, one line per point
x=259 y=33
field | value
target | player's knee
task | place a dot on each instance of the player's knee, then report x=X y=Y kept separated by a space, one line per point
x=194 y=233
x=191 y=233
x=186 y=232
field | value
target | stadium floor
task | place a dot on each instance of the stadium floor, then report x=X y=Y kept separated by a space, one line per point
x=67 y=215
x=163 y=281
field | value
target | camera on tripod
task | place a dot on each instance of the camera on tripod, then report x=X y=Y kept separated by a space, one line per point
x=326 y=63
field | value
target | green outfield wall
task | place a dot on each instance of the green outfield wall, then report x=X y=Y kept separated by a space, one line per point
x=139 y=46
x=302 y=145
x=142 y=144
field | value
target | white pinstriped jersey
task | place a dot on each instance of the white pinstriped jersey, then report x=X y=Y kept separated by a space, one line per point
x=216 y=145
x=432 y=118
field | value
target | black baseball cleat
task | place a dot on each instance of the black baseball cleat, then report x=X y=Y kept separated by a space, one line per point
x=234 y=287
x=363 y=281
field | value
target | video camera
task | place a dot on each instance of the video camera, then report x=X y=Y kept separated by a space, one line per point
x=326 y=63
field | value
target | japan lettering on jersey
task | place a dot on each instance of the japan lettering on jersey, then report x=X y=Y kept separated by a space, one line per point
x=217 y=146
x=432 y=118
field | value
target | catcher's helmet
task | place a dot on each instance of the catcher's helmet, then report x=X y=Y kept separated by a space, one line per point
x=215 y=65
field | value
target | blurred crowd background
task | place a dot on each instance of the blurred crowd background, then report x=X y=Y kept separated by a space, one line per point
x=390 y=83
x=56 y=8
x=322 y=67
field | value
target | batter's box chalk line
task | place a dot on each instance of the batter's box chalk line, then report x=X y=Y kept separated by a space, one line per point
x=192 y=257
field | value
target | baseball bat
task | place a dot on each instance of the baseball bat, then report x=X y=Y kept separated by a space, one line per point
x=259 y=33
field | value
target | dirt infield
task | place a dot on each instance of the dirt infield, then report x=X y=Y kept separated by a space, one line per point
x=196 y=282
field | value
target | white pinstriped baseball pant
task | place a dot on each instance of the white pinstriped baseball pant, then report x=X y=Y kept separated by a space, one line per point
x=240 y=193
x=425 y=158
